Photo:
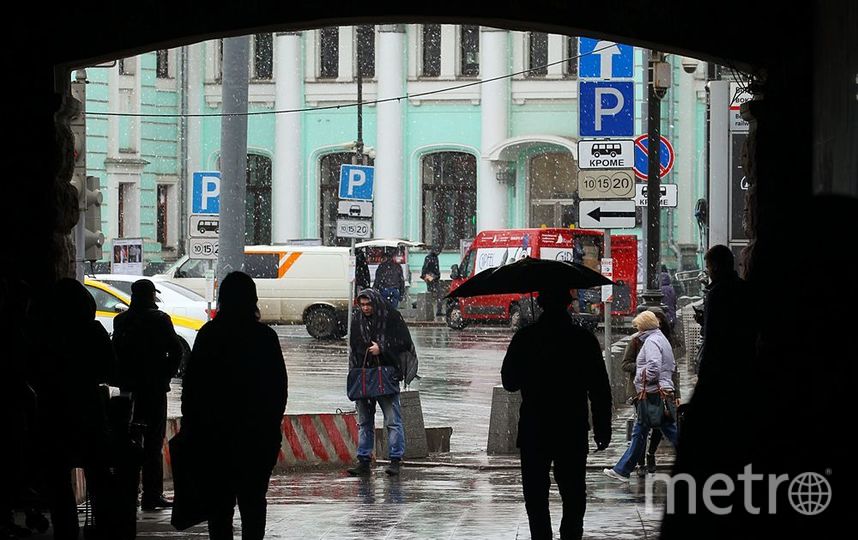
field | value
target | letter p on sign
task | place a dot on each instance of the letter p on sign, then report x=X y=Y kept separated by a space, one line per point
x=357 y=178
x=206 y=192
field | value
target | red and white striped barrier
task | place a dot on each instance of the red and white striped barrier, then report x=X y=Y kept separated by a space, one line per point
x=309 y=440
x=318 y=439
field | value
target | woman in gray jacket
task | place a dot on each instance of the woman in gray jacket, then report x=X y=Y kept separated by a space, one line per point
x=655 y=366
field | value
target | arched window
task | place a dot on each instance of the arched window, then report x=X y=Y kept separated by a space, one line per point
x=257 y=201
x=329 y=182
x=449 y=198
x=553 y=187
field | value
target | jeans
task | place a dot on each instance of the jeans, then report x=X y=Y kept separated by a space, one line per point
x=392 y=295
x=392 y=411
x=636 y=449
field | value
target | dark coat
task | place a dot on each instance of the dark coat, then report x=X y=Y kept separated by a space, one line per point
x=668 y=298
x=386 y=327
x=388 y=275
x=362 y=277
x=234 y=392
x=147 y=348
x=558 y=366
x=69 y=370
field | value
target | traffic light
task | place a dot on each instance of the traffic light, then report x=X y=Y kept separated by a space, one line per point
x=89 y=235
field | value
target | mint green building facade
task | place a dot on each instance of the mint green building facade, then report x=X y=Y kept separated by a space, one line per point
x=448 y=162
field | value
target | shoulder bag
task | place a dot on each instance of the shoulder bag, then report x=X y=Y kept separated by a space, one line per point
x=654 y=409
x=366 y=382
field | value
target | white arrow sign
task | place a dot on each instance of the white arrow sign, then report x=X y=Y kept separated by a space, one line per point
x=606 y=214
x=606 y=56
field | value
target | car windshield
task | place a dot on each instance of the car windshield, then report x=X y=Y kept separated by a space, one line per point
x=124 y=286
x=184 y=291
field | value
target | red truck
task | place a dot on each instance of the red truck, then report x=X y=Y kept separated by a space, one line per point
x=495 y=248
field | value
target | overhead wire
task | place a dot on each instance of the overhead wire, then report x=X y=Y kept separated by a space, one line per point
x=349 y=105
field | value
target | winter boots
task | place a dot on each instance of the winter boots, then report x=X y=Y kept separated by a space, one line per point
x=393 y=468
x=362 y=469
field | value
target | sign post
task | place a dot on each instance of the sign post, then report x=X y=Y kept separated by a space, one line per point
x=607 y=298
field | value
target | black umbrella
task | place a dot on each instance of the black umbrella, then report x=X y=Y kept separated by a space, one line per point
x=530 y=275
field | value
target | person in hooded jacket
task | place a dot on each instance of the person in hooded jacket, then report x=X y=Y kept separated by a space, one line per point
x=378 y=336
x=668 y=296
x=389 y=280
x=234 y=394
x=149 y=353
x=69 y=375
x=557 y=365
x=655 y=367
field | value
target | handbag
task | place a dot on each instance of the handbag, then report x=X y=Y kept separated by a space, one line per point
x=655 y=409
x=364 y=382
x=190 y=502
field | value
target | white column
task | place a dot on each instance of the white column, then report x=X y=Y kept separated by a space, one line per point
x=555 y=54
x=196 y=88
x=287 y=180
x=389 y=162
x=345 y=72
x=686 y=158
x=494 y=100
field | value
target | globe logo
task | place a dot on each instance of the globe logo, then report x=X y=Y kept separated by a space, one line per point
x=809 y=493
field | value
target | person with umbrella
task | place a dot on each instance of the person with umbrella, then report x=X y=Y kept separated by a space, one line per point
x=558 y=367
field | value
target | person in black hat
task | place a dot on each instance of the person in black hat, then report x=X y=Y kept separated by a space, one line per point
x=148 y=352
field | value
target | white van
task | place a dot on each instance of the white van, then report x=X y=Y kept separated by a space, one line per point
x=296 y=284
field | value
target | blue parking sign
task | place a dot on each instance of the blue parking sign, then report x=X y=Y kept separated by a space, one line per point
x=206 y=192
x=606 y=108
x=604 y=59
x=356 y=182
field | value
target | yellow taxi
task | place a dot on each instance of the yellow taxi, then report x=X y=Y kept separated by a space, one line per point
x=109 y=302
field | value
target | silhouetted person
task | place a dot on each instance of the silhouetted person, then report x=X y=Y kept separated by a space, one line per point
x=362 y=278
x=431 y=274
x=722 y=394
x=378 y=336
x=17 y=404
x=668 y=298
x=558 y=366
x=389 y=280
x=70 y=366
x=149 y=353
x=233 y=398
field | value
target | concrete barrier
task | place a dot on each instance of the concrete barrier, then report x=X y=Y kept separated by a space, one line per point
x=412 y=422
x=438 y=439
x=318 y=440
x=503 y=422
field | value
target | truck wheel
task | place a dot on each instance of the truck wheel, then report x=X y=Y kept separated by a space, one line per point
x=454 y=318
x=321 y=323
x=515 y=318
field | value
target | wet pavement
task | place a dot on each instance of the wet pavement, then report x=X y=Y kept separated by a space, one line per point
x=461 y=494
x=424 y=503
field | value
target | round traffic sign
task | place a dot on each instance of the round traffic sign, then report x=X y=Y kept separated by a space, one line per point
x=665 y=157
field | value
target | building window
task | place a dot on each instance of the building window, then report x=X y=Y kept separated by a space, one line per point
x=329 y=52
x=162 y=64
x=571 y=56
x=449 y=198
x=553 y=187
x=537 y=54
x=263 y=56
x=365 y=45
x=257 y=201
x=162 y=215
x=127 y=66
x=470 y=48
x=329 y=181
x=431 y=50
